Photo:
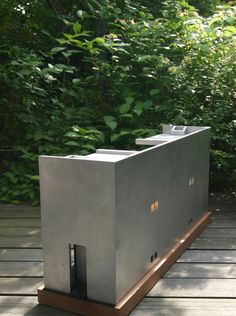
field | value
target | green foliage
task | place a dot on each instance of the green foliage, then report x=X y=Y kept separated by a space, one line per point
x=84 y=74
x=206 y=7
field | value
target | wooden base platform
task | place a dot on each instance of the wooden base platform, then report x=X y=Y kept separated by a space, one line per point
x=127 y=304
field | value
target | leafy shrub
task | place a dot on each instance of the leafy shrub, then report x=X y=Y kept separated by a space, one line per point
x=107 y=72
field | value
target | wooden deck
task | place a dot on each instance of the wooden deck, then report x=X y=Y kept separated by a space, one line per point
x=201 y=283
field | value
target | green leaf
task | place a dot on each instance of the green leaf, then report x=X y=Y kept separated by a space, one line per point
x=129 y=100
x=112 y=124
x=108 y=118
x=114 y=137
x=124 y=108
x=138 y=112
x=57 y=49
x=110 y=121
x=138 y=105
x=35 y=178
x=61 y=41
x=138 y=108
x=76 y=27
x=147 y=104
x=71 y=143
x=154 y=92
x=230 y=20
x=117 y=136
x=84 y=152
x=11 y=176
x=89 y=146
x=76 y=81
x=99 y=40
x=129 y=115
x=71 y=134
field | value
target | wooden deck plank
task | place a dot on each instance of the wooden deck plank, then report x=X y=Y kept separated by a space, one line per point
x=209 y=256
x=23 y=269
x=18 y=208
x=185 y=307
x=18 y=300
x=38 y=310
x=223 y=223
x=223 y=215
x=21 y=255
x=15 y=222
x=221 y=208
x=219 y=232
x=202 y=271
x=187 y=287
x=19 y=231
x=21 y=214
x=19 y=286
x=27 y=306
x=212 y=243
x=190 y=288
x=20 y=242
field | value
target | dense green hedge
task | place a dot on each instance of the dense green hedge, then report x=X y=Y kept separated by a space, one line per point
x=75 y=75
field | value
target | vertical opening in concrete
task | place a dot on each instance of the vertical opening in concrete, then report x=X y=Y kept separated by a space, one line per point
x=78 y=271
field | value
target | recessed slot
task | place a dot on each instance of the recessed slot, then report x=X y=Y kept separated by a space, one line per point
x=155 y=255
x=78 y=273
x=152 y=258
x=179 y=130
x=190 y=221
x=191 y=181
x=72 y=266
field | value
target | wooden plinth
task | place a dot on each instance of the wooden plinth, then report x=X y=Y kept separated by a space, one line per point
x=127 y=304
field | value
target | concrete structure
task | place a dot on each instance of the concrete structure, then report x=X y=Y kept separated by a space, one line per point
x=107 y=217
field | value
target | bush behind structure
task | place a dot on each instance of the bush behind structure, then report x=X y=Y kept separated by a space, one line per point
x=89 y=74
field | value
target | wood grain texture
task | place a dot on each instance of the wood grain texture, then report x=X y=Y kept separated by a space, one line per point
x=21 y=269
x=202 y=271
x=75 y=305
x=223 y=223
x=37 y=310
x=21 y=214
x=18 y=208
x=181 y=287
x=19 y=286
x=222 y=208
x=204 y=282
x=185 y=307
x=214 y=243
x=21 y=255
x=219 y=233
x=20 y=242
x=27 y=306
x=19 y=231
x=18 y=300
x=231 y=214
x=16 y=222
x=219 y=256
